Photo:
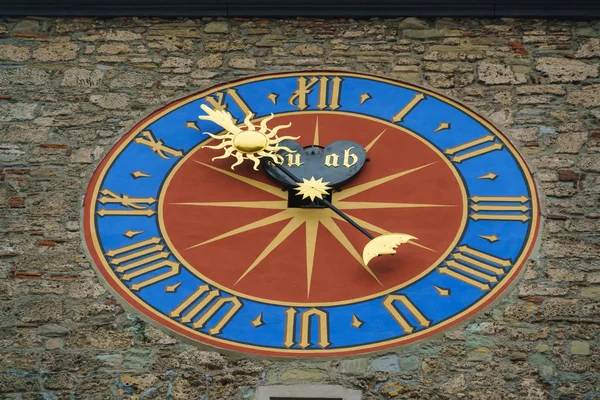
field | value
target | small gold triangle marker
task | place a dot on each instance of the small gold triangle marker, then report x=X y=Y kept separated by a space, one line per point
x=273 y=97
x=140 y=174
x=490 y=238
x=192 y=125
x=490 y=175
x=131 y=233
x=364 y=97
x=258 y=321
x=442 y=126
x=172 y=288
x=357 y=323
x=442 y=292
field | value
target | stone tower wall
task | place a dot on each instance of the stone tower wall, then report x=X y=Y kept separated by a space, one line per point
x=70 y=87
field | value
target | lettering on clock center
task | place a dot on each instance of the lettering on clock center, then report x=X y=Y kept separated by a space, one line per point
x=349 y=159
x=293 y=160
x=143 y=259
x=328 y=92
x=475 y=267
x=206 y=307
x=306 y=319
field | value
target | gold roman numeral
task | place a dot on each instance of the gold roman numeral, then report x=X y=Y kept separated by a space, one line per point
x=147 y=138
x=191 y=308
x=328 y=92
x=306 y=319
x=218 y=101
x=399 y=314
x=399 y=117
x=140 y=205
x=468 y=151
x=475 y=267
x=503 y=208
x=143 y=258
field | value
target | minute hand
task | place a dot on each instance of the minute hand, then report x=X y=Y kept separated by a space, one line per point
x=385 y=244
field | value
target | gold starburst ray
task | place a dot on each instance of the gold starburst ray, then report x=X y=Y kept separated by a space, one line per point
x=263 y=205
x=252 y=182
x=316 y=137
x=312 y=227
x=281 y=236
x=339 y=235
x=374 y=183
x=281 y=216
x=361 y=205
x=368 y=147
x=379 y=230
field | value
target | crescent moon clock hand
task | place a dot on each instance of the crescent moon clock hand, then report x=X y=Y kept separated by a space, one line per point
x=253 y=144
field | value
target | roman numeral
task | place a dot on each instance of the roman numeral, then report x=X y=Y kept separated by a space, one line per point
x=400 y=314
x=468 y=149
x=306 y=319
x=139 y=205
x=503 y=208
x=147 y=138
x=191 y=308
x=475 y=267
x=399 y=117
x=218 y=101
x=328 y=92
x=143 y=258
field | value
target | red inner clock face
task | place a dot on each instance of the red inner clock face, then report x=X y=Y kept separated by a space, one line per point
x=235 y=230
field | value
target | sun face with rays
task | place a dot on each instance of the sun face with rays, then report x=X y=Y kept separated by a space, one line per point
x=250 y=144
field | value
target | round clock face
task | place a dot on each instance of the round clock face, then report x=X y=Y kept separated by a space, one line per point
x=213 y=216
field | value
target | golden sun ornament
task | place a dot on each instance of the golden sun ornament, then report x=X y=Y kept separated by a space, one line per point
x=312 y=188
x=250 y=144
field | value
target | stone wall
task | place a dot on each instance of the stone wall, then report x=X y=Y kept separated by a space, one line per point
x=69 y=88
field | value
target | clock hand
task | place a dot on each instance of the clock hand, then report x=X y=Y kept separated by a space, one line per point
x=253 y=144
x=378 y=246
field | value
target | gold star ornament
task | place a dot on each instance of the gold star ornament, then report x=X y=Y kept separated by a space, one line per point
x=312 y=188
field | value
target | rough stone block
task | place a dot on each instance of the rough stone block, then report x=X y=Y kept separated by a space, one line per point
x=79 y=77
x=9 y=52
x=571 y=142
x=303 y=375
x=354 y=367
x=17 y=111
x=111 y=101
x=498 y=74
x=589 y=49
x=242 y=63
x=588 y=97
x=42 y=310
x=216 y=27
x=60 y=50
x=413 y=23
x=421 y=33
x=565 y=70
x=580 y=348
x=387 y=363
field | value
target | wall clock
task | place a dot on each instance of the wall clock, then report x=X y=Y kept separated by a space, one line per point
x=193 y=220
